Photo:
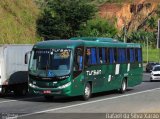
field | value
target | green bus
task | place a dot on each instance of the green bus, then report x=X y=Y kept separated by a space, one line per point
x=81 y=66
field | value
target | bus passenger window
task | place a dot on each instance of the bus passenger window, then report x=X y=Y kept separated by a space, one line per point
x=136 y=55
x=91 y=56
x=101 y=56
x=139 y=55
x=132 y=55
x=106 y=51
x=115 y=55
x=121 y=55
x=88 y=56
x=78 y=61
x=124 y=58
x=111 y=56
x=128 y=55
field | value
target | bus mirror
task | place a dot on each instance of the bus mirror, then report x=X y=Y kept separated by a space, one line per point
x=26 y=57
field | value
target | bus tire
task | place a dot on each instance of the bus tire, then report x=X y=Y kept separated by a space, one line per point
x=49 y=97
x=123 y=86
x=87 y=92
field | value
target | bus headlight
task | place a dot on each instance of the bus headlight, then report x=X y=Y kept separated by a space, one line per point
x=32 y=85
x=65 y=85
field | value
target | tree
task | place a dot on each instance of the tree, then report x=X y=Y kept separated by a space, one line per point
x=63 y=18
x=152 y=23
x=98 y=27
x=141 y=36
x=158 y=10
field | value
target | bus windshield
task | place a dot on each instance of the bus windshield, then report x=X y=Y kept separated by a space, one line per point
x=55 y=60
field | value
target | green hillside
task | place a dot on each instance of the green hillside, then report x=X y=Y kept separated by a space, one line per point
x=100 y=2
x=17 y=21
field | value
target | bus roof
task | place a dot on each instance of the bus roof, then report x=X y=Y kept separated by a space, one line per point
x=97 y=39
x=85 y=41
x=58 y=44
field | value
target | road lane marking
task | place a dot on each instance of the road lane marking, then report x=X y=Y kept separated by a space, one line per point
x=7 y=101
x=80 y=104
x=19 y=99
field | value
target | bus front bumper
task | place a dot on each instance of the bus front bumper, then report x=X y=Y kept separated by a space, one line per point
x=61 y=91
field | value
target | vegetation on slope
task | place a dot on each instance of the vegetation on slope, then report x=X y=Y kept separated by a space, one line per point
x=65 y=19
x=99 y=2
x=18 y=21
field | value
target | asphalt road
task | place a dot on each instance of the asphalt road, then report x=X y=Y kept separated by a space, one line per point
x=143 y=98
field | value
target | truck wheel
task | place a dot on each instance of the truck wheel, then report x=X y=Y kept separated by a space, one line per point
x=123 y=86
x=21 y=92
x=4 y=91
x=49 y=97
x=87 y=92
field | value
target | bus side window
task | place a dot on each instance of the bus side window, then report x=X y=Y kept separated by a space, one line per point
x=136 y=55
x=121 y=55
x=88 y=57
x=132 y=55
x=128 y=55
x=106 y=55
x=111 y=56
x=115 y=55
x=78 y=60
x=139 y=50
x=124 y=59
x=101 y=55
x=93 y=56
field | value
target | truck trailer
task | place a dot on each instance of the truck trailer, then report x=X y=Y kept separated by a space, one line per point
x=13 y=70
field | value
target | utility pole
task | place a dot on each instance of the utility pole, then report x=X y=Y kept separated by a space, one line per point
x=124 y=29
x=158 y=40
x=147 y=49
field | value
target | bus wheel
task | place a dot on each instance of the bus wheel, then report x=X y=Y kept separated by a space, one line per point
x=87 y=92
x=48 y=97
x=123 y=86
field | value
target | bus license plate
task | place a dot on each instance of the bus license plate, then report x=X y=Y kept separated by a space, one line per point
x=47 y=92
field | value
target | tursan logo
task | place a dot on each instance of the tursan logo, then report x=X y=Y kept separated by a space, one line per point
x=94 y=72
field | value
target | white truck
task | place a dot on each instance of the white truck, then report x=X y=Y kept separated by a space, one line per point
x=13 y=70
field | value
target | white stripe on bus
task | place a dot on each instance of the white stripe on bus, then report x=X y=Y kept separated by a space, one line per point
x=128 y=68
x=117 y=69
x=109 y=78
